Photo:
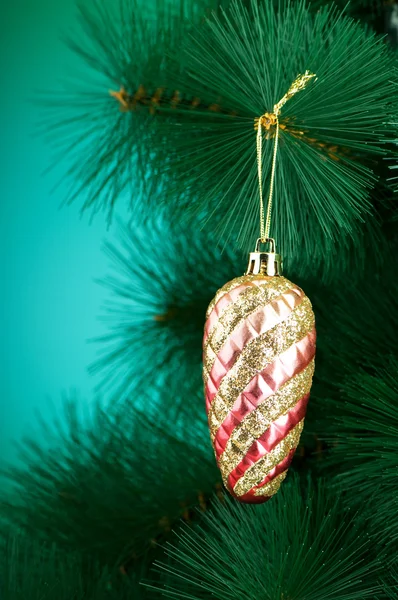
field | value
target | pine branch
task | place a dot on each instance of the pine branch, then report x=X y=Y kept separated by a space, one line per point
x=356 y=323
x=100 y=120
x=32 y=570
x=295 y=546
x=354 y=397
x=321 y=193
x=391 y=582
x=394 y=181
x=164 y=278
x=370 y=12
x=112 y=489
x=357 y=317
x=362 y=432
x=333 y=134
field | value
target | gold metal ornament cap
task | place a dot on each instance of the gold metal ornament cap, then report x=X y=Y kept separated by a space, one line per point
x=265 y=263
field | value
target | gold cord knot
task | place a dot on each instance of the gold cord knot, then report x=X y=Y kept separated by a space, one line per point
x=267 y=120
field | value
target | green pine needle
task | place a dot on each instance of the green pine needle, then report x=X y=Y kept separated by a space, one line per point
x=113 y=487
x=235 y=65
x=123 y=44
x=362 y=432
x=354 y=397
x=371 y=12
x=391 y=582
x=394 y=180
x=293 y=547
x=164 y=279
x=33 y=570
x=332 y=132
x=357 y=318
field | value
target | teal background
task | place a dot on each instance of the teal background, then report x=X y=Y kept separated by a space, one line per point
x=50 y=303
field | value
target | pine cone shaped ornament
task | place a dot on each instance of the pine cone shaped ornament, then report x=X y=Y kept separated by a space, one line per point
x=258 y=363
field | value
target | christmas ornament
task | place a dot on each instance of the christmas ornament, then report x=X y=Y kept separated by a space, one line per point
x=258 y=359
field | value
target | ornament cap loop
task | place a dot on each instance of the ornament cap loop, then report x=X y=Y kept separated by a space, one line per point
x=269 y=241
x=265 y=263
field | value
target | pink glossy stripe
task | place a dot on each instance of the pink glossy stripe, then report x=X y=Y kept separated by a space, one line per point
x=258 y=322
x=226 y=300
x=275 y=433
x=265 y=384
x=250 y=496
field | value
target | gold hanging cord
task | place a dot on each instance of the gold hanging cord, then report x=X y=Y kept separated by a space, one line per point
x=268 y=120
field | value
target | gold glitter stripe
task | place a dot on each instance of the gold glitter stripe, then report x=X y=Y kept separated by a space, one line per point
x=256 y=473
x=257 y=422
x=269 y=489
x=225 y=289
x=257 y=354
x=238 y=311
x=228 y=287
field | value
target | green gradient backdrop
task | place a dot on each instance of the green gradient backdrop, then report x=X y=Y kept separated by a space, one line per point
x=49 y=257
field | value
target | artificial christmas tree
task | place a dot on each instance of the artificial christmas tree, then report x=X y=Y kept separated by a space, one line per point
x=174 y=126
